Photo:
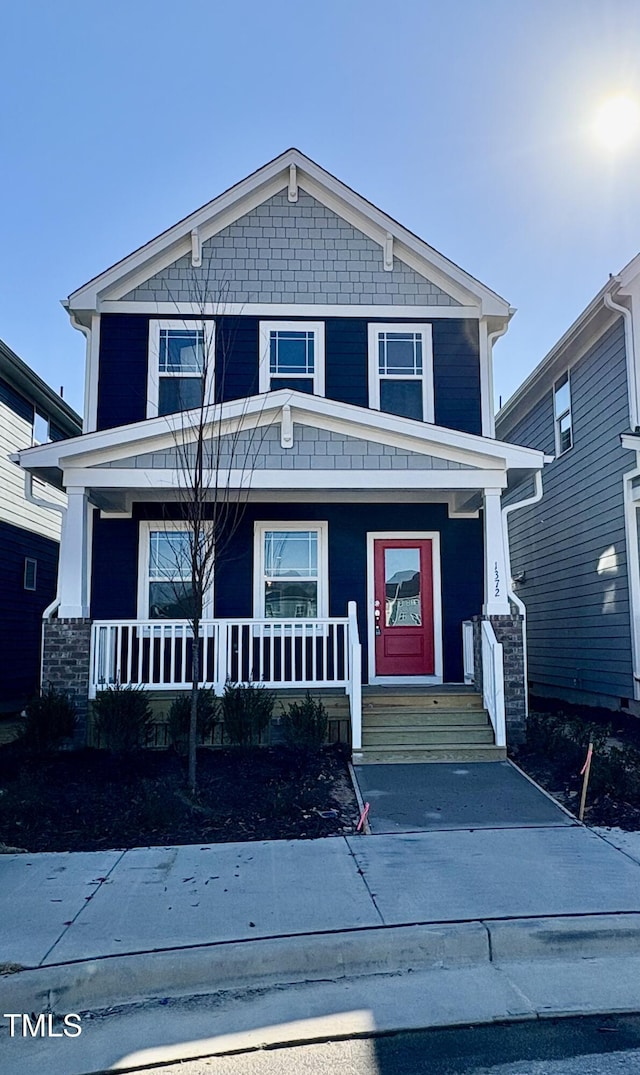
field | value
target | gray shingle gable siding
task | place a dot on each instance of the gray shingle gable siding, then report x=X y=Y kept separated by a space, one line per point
x=291 y=252
x=577 y=606
x=313 y=449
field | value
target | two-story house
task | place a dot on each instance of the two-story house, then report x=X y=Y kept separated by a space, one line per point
x=30 y=413
x=344 y=367
x=574 y=553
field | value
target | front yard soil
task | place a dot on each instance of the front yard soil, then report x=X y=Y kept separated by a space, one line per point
x=558 y=770
x=90 y=800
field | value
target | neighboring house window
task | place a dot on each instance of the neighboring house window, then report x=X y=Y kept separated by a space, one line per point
x=291 y=570
x=292 y=356
x=562 y=412
x=181 y=366
x=164 y=591
x=40 y=429
x=30 y=573
x=401 y=370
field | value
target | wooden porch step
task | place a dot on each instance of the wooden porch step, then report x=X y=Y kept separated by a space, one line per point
x=398 y=718
x=421 y=736
x=404 y=755
x=412 y=700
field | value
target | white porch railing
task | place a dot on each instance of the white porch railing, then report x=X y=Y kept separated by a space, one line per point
x=156 y=655
x=468 y=658
x=493 y=682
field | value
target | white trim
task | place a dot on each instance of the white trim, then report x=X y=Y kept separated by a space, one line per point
x=258 y=187
x=496 y=581
x=208 y=330
x=149 y=478
x=286 y=309
x=405 y=535
x=266 y=327
x=428 y=391
x=261 y=526
x=145 y=527
x=632 y=533
x=73 y=560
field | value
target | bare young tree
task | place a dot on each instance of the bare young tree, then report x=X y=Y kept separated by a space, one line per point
x=214 y=460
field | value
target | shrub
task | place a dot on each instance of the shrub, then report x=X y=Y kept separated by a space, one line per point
x=305 y=724
x=122 y=717
x=51 y=716
x=246 y=711
x=180 y=716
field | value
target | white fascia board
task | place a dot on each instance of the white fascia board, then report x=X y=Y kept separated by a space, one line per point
x=258 y=187
x=160 y=433
x=149 y=479
x=190 y=310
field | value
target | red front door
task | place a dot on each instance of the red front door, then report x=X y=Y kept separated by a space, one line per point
x=403 y=607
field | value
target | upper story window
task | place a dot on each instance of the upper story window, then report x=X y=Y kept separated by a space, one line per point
x=562 y=414
x=292 y=356
x=401 y=370
x=181 y=366
x=41 y=432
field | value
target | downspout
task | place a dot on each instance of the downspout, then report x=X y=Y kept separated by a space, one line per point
x=631 y=358
x=518 y=602
x=38 y=502
x=86 y=332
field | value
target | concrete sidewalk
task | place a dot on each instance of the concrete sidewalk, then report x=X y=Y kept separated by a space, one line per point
x=55 y=908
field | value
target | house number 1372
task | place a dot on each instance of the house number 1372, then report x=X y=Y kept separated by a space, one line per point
x=496 y=580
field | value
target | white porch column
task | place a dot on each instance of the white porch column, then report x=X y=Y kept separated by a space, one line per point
x=496 y=602
x=72 y=566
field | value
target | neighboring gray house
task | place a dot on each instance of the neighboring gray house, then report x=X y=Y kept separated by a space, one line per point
x=574 y=553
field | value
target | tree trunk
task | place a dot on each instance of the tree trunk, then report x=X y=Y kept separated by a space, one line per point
x=193 y=718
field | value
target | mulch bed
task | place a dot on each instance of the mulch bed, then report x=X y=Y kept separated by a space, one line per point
x=90 y=800
x=560 y=775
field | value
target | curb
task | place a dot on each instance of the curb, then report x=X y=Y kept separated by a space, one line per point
x=90 y=985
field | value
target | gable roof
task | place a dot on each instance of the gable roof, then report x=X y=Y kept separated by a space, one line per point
x=291 y=169
x=109 y=445
x=21 y=377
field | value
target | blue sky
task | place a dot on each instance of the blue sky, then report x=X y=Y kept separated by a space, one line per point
x=469 y=121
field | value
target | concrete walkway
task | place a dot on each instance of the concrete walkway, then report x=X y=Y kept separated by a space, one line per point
x=60 y=907
x=478 y=795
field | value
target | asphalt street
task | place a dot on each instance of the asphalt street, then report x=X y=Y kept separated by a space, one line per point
x=600 y=1046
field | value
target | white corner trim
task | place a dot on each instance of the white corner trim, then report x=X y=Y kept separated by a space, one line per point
x=196 y=249
x=418 y=535
x=286 y=428
x=428 y=391
x=292 y=189
x=388 y=252
x=632 y=536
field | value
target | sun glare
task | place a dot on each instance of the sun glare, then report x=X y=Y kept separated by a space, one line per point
x=617 y=121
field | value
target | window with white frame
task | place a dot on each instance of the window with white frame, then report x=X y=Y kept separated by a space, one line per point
x=30 y=573
x=562 y=414
x=41 y=431
x=291 y=569
x=181 y=362
x=165 y=572
x=292 y=356
x=401 y=370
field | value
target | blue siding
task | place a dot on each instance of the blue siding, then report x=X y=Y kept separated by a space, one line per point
x=21 y=612
x=18 y=404
x=115 y=568
x=456 y=375
x=122 y=383
x=115 y=562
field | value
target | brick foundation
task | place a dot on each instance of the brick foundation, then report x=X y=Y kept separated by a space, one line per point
x=508 y=632
x=65 y=665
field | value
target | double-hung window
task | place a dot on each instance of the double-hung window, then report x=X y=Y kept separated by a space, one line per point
x=165 y=571
x=290 y=571
x=292 y=356
x=562 y=414
x=401 y=370
x=181 y=361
